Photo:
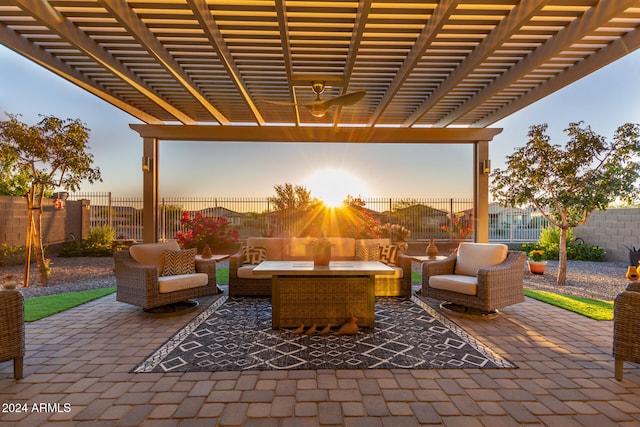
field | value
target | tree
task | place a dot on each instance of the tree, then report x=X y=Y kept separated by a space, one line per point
x=291 y=203
x=53 y=155
x=289 y=196
x=568 y=184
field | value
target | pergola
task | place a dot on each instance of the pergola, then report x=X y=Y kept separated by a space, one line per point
x=216 y=70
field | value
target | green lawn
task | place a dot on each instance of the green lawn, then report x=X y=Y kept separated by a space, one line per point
x=40 y=307
x=592 y=308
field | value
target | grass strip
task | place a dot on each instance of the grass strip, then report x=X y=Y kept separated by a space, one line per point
x=37 y=308
x=593 y=308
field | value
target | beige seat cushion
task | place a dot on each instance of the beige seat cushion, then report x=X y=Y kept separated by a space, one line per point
x=152 y=253
x=472 y=256
x=246 y=272
x=467 y=285
x=182 y=281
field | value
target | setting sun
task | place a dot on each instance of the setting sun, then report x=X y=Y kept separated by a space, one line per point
x=332 y=186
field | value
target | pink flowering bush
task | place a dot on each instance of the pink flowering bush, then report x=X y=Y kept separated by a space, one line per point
x=200 y=229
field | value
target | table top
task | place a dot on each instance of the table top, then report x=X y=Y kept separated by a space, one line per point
x=423 y=258
x=306 y=268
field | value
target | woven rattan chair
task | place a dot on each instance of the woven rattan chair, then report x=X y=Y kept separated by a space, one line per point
x=626 y=328
x=497 y=284
x=12 y=330
x=139 y=284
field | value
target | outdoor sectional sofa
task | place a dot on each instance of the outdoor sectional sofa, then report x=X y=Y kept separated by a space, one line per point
x=242 y=281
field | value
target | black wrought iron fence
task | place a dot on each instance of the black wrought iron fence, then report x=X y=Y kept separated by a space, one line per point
x=255 y=216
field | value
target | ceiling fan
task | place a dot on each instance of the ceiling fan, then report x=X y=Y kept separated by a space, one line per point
x=318 y=107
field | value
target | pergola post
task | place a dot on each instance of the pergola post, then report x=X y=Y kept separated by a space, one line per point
x=481 y=171
x=150 y=189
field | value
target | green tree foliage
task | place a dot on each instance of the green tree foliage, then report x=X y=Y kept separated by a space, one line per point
x=53 y=154
x=567 y=184
x=289 y=196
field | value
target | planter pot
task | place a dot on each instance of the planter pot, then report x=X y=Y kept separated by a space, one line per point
x=322 y=256
x=537 y=267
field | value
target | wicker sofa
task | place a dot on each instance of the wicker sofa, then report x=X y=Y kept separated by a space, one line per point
x=242 y=281
x=478 y=276
x=139 y=279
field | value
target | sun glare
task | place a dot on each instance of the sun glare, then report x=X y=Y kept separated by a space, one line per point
x=332 y=186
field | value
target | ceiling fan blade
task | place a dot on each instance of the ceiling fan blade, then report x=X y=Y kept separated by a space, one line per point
x=348 y=99
x=287 y=104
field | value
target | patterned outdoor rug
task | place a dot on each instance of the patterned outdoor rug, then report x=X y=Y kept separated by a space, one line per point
x=235 y=334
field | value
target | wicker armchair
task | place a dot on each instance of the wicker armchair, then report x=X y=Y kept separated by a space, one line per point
x=139 y=284
x=491 y=278
x=12 y=330
x=626 y=328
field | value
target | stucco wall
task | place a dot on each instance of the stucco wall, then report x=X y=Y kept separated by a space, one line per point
x=57 y=224
x=612 y=230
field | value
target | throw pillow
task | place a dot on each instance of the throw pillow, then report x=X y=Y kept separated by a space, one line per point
x=374 y=253
x=253 y=255
x=362 y=253
x=179 y=262
x=388 y=254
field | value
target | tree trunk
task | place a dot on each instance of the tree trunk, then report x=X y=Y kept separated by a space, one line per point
x=37 y=239
x=562 y=258
x=29 y=239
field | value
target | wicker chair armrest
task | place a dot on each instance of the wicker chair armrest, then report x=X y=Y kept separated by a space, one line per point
x=633 y=287
x=234 y=264
x=508 y=272
x=626 y=326
x=207 y=266
x=129 y=273
x=12 y=336
x=436 y=268
x=404 y=262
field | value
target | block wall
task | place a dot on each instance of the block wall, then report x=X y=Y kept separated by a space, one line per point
x=612 y=230
x=57 y=224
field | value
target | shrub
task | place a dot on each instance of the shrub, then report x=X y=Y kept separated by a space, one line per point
x=200 y=229
x=12 y=255
x=99 y=243
x=549 y=242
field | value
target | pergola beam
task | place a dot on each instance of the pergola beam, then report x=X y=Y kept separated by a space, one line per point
x=296 y=134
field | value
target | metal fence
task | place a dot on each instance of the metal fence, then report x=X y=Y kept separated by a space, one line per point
x=256 y=216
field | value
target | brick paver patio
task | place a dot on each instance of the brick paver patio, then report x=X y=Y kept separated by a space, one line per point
x=82 y=358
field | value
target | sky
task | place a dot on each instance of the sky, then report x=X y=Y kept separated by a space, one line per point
x=604 y=100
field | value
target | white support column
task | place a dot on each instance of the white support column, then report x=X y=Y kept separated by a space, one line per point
x=150 y=189
x=481 y=170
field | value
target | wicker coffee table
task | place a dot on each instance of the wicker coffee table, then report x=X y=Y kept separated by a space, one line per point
x=304 y=294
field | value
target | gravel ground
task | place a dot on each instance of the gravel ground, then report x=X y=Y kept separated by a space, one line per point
x=602 y=280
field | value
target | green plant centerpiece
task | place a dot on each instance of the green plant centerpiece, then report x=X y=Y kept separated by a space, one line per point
x=321 y=251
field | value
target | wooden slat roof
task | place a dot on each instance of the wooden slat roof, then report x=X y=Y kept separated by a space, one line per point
x=448 y=63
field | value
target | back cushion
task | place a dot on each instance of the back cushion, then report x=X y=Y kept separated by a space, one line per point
x=152 y=253
x=273 y=246
x=342 y=246
x=472 y=256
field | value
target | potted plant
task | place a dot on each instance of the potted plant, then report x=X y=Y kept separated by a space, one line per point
x=537 y=261
x=321 y=251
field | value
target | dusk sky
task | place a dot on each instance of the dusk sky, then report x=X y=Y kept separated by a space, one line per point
x=604 y=100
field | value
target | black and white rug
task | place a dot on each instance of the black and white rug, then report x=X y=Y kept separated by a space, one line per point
x=235 y=334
